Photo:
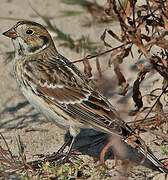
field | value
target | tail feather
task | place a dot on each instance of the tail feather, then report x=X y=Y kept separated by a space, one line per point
x=147 y=153
x=150 y=156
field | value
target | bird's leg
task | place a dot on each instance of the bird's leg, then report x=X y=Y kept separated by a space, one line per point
x=66 y=157
x=67 y=143
x=59 y=154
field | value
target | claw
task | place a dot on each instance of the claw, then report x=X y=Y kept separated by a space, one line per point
x=60 y=154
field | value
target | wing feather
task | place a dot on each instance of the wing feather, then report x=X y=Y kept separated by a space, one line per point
x=74 y=95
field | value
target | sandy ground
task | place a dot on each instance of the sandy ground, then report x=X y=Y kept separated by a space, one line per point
x=17 y=117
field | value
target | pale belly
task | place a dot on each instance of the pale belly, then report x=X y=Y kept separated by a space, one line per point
x=44 y=108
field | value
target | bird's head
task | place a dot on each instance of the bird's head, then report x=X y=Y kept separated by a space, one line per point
x=29 y=37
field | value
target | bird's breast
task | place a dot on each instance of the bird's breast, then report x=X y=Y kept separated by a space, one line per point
x=51 y=113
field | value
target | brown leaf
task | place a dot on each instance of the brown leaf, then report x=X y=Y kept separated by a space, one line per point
x=103 y=36
x=126 y=52
x=165 y=20
x=137 y=97
x=158 y=112
x=162 y=43
x=115 y=52
x=118 y=60
x=128 y=11
x=98 y=68
x=114 y=35
x=165 y=83
x=138 y=32
x=139 y=44
x=121 y=78
x=160 y=69
x=87 y=68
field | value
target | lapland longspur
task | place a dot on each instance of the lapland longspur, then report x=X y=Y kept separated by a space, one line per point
x=56 y=88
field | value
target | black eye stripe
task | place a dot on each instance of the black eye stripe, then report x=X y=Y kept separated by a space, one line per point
x=29 y=31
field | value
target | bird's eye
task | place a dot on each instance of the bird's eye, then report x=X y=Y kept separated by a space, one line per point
x=29 y=31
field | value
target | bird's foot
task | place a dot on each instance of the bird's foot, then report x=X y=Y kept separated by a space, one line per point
x=61 y=158
x=54 y=157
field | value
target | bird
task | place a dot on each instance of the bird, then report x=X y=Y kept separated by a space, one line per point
x=61 y=92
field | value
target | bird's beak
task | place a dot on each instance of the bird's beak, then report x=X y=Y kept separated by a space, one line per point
x=11 y=33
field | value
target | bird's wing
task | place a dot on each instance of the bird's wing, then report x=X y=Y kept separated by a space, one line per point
x=65 y=86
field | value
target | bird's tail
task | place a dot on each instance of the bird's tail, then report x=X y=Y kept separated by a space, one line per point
x=147 y=153
x=150 y=156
